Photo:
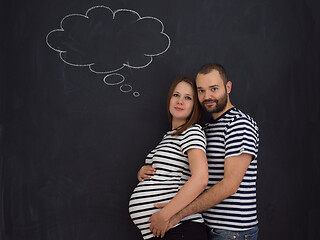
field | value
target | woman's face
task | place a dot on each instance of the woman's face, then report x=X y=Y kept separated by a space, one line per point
x=181 y=102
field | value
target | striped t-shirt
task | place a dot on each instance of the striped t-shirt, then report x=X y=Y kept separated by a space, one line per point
x=232 y=134
x=170 y=160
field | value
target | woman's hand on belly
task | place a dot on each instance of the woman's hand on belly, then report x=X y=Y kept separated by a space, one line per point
x=145 y=171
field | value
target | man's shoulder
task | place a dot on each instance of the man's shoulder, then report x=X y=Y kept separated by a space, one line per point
x=243 y=122
x=229 y=116
x=233 y=116
x=239 y=115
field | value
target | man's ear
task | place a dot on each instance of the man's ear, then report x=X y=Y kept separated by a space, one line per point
x=229 y=86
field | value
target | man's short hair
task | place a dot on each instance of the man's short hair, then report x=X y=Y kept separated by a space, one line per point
x=209 y=67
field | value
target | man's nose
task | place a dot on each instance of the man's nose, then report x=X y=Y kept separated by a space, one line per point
x=207 y=95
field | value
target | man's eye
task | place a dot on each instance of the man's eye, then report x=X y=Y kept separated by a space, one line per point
x=200 y=91
x=213 y=89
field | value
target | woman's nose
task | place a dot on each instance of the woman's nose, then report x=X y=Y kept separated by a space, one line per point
x=180 y=101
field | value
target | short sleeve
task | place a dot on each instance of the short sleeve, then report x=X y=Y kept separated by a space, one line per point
x=241 y=137
x=193 y=137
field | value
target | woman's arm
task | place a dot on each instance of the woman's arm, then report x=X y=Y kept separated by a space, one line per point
x=190 y=190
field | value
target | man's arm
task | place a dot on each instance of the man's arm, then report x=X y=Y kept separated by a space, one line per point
x=234 y=170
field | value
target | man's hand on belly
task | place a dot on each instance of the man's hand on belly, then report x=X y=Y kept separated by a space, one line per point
x=159 y=224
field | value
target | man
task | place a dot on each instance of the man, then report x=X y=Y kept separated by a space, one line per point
x=229 y=202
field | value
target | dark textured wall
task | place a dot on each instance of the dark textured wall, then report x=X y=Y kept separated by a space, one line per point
x=71 y=145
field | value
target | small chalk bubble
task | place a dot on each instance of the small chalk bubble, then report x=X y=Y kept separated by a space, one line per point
x=136 y=94
x=125 y=88
x=113 y=79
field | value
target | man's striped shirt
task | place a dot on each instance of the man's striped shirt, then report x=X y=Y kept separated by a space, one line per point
x=232 y=134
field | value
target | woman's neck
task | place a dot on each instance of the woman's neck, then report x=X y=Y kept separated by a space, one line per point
x=177 y=123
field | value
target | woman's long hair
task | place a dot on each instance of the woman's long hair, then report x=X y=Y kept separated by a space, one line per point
x=196 y=114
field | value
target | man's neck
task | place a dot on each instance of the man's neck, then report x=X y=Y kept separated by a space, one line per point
x=216 y=115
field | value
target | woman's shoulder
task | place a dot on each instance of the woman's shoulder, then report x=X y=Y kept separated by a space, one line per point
x=193 y=129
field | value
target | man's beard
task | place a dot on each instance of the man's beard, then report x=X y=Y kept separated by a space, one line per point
x=219 y=107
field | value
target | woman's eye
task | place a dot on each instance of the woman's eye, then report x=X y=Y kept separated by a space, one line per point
x=176 y=95
x=188 y=98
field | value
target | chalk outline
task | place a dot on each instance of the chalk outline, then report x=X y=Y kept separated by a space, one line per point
x=135 y=94
x=112 y=84
x=114 y=14
x=125 y=85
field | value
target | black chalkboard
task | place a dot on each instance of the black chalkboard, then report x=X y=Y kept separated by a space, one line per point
x=77 y=123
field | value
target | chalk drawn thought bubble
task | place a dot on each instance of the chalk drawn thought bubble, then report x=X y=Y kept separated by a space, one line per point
x=106 y=41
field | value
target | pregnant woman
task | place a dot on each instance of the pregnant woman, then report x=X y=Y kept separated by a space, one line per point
x=176 y=171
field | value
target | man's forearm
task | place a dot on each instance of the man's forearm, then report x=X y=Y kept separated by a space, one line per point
x=207 y=199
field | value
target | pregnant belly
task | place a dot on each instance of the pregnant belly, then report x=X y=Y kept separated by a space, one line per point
x=145 y=195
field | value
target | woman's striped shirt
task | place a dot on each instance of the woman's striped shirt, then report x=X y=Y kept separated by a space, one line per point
x=232 y=134
x=170 y=160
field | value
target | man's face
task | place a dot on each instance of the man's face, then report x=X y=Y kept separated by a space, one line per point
x=212 y=93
